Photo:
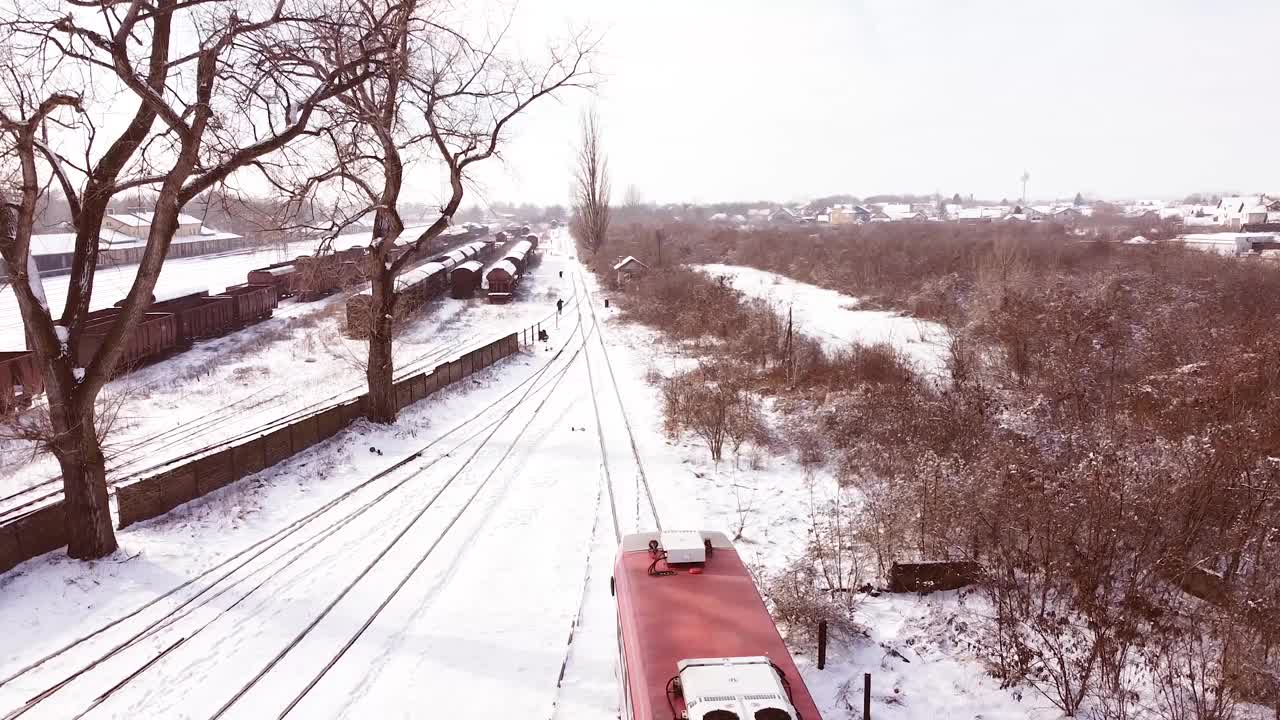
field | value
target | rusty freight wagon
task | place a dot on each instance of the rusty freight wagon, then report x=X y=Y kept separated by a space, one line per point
x=502 y=279
x=20 y=380
x=155 y=335
x=464 y=279
x=251 y=303
x=199 y=316
x=279 y=276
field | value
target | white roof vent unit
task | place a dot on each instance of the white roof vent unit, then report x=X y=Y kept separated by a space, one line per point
x=739 y=688
x=683 y=546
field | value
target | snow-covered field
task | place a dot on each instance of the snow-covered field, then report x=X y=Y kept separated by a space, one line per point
x=833 y=317
x=446 y=587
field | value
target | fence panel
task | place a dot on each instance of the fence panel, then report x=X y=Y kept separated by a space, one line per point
x=304 y=434
x=403 y=397
x=418 y=387
x=278 y=446
x=215 y=471
x=10 y=550
x=249 y=457
x=42 y=531
x=329 y=422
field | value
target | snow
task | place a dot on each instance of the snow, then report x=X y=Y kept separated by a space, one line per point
x=174 y=292
x=831 y=317
x=493 y=546
x=36 y=283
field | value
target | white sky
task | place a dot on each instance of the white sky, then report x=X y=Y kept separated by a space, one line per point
x=712 y=100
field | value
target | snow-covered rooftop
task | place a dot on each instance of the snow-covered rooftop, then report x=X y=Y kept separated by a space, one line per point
x=629 y=261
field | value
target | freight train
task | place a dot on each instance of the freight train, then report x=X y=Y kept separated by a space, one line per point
x=175 y=320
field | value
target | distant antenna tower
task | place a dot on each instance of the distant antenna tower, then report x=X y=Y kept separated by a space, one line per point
x=1025 y=177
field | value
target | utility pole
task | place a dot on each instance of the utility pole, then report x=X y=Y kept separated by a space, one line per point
x=659 y=237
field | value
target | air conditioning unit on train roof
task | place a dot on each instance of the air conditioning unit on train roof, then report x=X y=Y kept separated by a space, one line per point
x=735 y=688
x=683 y=546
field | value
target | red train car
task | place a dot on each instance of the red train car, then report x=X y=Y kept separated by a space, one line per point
x=154 y=336
x=694 y=637
x=251 y=303
x=279 y=276
x=20 y=380
x=502 y=279
x=198 y=315
x=464 y=279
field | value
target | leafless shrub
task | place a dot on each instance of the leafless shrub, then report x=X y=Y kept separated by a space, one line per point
x=800 y=605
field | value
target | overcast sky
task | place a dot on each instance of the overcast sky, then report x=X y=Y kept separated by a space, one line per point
x=715 y=100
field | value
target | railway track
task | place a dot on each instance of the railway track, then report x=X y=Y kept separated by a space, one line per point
x=127 y=462
x=187 y=610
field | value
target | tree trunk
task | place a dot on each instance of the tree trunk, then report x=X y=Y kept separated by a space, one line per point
x=84 y=480
x=381 y=366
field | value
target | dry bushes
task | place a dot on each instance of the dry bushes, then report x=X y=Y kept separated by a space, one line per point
x=1111 y=426
x=713 y=403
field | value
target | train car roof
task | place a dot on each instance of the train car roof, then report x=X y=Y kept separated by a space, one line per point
x=505 y=266
x=666 y=619
x=418 y=274
x=470 y=266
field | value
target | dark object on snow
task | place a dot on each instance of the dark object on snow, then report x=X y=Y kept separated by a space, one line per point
x=559 y=306
x=542 y=335
x=930 y=576
x=822 y=645
x=561 y=273
x=606 y=302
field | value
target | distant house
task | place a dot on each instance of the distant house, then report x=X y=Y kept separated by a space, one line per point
x=849 y=214
x=1066 y=214
x=628 y=268
x=1242 y=210
x=782 y=216
x=1028 y=213
x=907 y=215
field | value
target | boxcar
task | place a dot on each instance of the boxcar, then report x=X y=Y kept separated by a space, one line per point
x=464 y=279
x=519 y=255
x=251 y=303
x=419 y=286
x=415 y=287
x=154 y=336
x=694 y=638
x=20 y=380
x=502 y=279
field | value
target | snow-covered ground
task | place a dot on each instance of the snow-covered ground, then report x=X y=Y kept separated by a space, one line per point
x=833 y=317
x=484 y=551
x=298 y=360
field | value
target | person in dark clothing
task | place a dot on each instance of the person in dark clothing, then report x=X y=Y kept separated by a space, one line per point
x=559 y=306
x=542 y=335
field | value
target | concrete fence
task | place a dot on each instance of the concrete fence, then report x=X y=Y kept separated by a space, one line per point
x=44 y=530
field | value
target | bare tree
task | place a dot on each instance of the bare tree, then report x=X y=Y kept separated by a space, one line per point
x=230 y=102
x=441 y=97
x=632 y=198
x=590 y=222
